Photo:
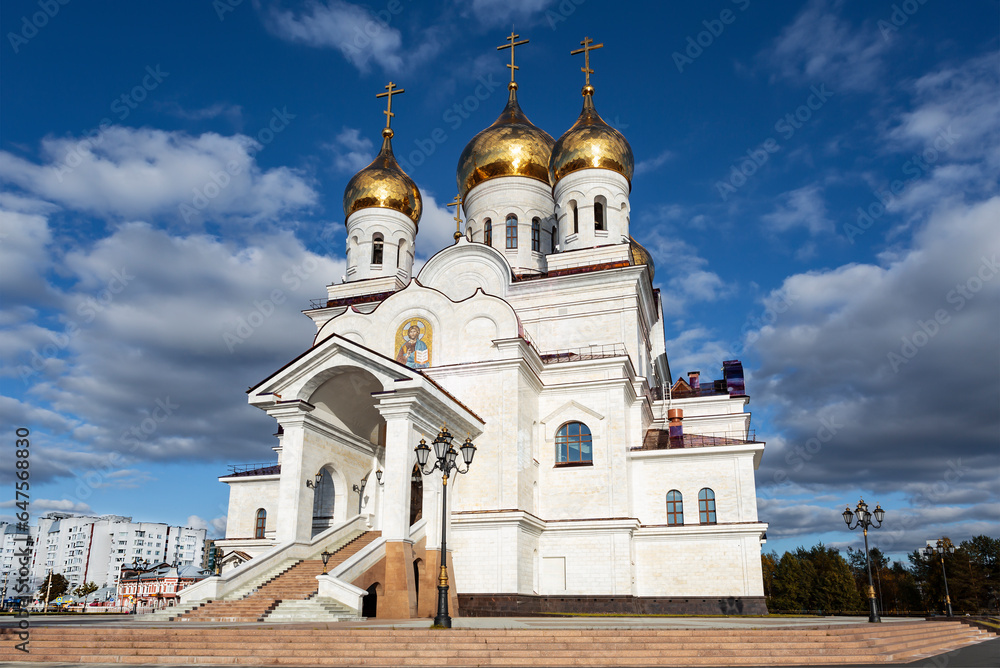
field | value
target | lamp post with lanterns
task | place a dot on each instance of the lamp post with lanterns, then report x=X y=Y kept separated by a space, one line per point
x=861 y=517
x=445 y=459
x=942 y=547
x=139 y=566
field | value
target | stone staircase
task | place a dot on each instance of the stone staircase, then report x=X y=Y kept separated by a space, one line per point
x=315 y=609
x=295 y=582
x=341 y=645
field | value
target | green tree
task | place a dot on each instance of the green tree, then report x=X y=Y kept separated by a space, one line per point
x=85 y=590
x=768 y=565
x=58 y=586
x=793 y=579
x=835 y=587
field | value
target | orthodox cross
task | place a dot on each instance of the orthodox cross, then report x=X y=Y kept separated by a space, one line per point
x=588 y=46
x=458 y=216
x=390 y=90
x=511 y=46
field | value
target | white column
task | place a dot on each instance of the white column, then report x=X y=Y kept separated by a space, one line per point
x=399 y=444
x=295 y=499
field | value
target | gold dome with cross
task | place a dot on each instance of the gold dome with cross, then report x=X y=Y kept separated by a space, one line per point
x=512 y=146
x=383 y=184
x=591 y=142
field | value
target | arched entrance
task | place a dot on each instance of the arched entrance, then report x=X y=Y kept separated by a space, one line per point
x=324 y=498
x=416 y=495
x=369 y=605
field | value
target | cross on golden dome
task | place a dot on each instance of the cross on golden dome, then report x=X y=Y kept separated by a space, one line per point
x=390 y=90
x=511 y=46
x=457 y=203
x=588 y=46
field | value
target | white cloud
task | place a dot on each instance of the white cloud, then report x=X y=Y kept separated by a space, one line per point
x=437 y=226
x=885 y=371
x=351 y=152
x=360 y=35
x=652 y=164
x=819 y=46
x=202 y=317
x=803 y=207
x=144 y=173
x=41 y=506
x=24 y=258
x=501 y=12
x=231 y=112
x=216 y=528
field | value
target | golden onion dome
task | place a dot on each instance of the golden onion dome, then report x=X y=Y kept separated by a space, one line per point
x=383 y=184
x=641 y=256
x=512 y=146
x=590 y=143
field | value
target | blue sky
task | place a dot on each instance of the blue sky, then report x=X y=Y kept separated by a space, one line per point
x=817 y=183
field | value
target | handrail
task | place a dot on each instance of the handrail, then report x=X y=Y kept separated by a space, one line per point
x=217 y=587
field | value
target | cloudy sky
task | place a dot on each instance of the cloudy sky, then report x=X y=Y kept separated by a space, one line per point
x=817 y=183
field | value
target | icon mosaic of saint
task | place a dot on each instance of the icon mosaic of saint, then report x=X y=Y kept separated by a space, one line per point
x=413 y=344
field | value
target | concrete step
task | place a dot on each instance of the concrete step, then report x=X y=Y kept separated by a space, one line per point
x=281 y=645
x=313 y=610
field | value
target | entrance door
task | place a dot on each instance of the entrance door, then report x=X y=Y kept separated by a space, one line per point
x=323 y=499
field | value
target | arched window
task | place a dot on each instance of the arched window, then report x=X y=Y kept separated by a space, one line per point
x=488 y=232
x=536 y=235
x=706 y=506
x=377 y=244
x=598 y=215
x=574 y=444
x=261 y=523
x=555 y=238
x=511 y=231
x=576 y=217
x=675 y=508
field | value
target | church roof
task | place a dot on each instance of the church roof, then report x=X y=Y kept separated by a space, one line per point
x=660 y=439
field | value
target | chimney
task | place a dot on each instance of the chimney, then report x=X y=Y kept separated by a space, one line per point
x=675 y=416
x=693 y=380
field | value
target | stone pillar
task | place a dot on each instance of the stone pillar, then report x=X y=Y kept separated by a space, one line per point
x=399 y=599
x=294 y=516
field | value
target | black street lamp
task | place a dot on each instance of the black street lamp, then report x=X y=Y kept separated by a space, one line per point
x=138 y=565
x=941 y=548
x=864 y=520
x=326 y=558
x=445 y=456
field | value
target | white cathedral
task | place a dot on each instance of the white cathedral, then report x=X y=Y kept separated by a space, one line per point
x=599 y=484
